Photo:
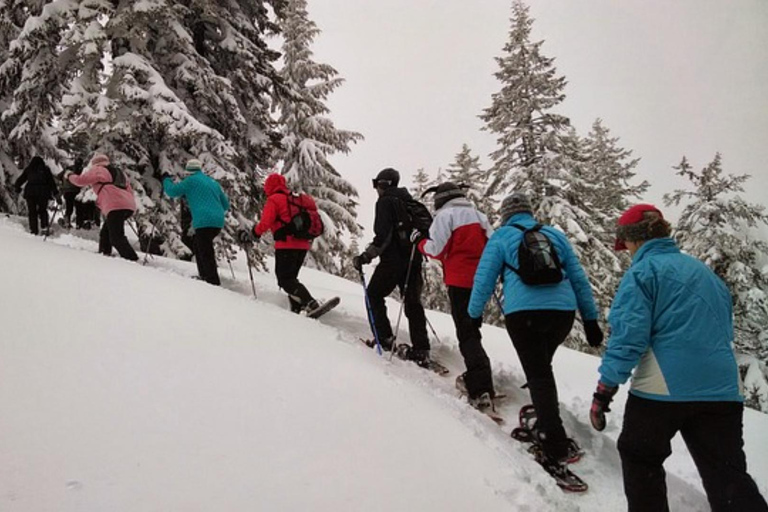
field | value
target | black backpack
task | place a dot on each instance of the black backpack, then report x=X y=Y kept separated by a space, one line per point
x=118 y=177
x=414 y=216
x=306 y=223
x=537 y=259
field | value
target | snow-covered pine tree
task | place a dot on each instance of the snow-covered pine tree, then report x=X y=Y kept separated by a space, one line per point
x=421 y=182
x=465 y=169
x=10 y=26
x=715 y=228
x=607 y=169
x=33 y=67
x=539 y=155
x=180 y=81
x=310 y=137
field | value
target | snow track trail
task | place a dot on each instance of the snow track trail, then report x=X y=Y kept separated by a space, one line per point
x=135 y=388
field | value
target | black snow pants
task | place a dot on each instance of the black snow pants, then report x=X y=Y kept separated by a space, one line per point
x=205 y=255
x=391 y=274
x=37 y=208
x=112 y=234
x=713 y=433
x=478 y=377
x=288 y=263
x=536 y=336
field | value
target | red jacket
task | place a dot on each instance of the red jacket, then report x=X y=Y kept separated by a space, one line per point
x=457 y=238
x=277 y=212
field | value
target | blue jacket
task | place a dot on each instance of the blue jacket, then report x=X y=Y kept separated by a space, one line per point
x=672 y=318
x=207 y=201
x=573 y=290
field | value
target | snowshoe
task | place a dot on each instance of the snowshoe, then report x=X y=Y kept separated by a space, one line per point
x=317 y=310
x=421 y=358
x=483 y=403
x=526 y=433
x=566 y=479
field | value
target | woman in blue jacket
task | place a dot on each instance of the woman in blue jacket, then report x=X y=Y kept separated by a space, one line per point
x=538 y=317
x=672 y=323
x=208 y=204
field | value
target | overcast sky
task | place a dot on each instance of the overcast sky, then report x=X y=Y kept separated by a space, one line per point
x=686 y=77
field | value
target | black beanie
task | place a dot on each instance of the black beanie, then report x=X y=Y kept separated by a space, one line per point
x=445 y=192
x=387 y=178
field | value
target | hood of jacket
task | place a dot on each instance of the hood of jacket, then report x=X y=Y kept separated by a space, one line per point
x=274 y=184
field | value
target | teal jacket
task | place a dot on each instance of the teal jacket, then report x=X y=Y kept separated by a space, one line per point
x=672 y=318
x=207 y=201
x=572 y=292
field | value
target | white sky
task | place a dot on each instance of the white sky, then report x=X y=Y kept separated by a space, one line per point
x=669 y=78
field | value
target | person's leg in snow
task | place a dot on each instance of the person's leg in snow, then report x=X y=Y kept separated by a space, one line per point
x=113 y=235
x=536 y=335
x=414 y=310
x=205 y=255
x=288 y=263
x=478 y=377
x=713 y=433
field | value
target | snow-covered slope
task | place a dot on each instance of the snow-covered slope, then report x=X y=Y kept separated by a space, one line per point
x=130 y=388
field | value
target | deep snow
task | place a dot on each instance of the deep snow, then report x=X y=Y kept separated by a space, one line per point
x=130 y=388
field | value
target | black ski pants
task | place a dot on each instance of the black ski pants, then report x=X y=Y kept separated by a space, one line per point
x=536 y=336
x=37 y=208
x=112 y=234
x=478 y=378
x=288 y=263
x=205 y=255
x=69 y=205
x=391 y=274
x=713 y=433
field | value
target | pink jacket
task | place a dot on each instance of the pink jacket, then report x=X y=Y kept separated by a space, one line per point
x=108 y=197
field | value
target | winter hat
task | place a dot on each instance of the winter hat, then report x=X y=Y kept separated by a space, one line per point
x=447 y=191
x=636 y=225
x=386 y=178
x=100 y=159
x=194 y=165
x=517 y=202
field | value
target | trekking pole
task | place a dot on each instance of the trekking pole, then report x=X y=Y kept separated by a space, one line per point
x=370 y=313
x=149 y=242
x=434 y=333
x=402 y=302
x=50 y=222
x=250 y=270
x=229 y=262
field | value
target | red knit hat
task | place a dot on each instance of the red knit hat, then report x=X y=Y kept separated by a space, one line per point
x=626 y=229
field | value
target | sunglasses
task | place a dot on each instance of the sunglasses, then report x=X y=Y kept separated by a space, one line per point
x=383 y=183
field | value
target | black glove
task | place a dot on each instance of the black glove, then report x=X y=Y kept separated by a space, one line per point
x=600 y=401
x=593 y=332
x=360 y=260
x=245 y=236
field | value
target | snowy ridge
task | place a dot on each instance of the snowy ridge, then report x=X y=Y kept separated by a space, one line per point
x=130 y=388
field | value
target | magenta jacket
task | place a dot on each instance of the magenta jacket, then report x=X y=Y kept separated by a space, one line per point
x=108 y=197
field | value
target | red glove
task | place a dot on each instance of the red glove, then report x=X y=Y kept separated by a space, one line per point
x=601 y=399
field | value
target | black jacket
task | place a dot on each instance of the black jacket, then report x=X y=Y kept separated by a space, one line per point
x=391 y=236
x=39 y=180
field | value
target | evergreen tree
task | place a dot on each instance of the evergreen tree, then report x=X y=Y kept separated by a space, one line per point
x=520 y=113
x=714 y=227
x=181 y=81
x=537 y=154
x=310 y=137
x=421 y=181
x=611 y=167
x=465 y=169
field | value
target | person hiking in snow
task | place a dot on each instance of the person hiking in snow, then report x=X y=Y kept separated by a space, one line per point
x=70 y=192
x=457 y=238
x=290 y=251
x=40 y=188
x=208 y=204
x=672 y=323
x=392 y=245
x=114 y=198
x=538 y=317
